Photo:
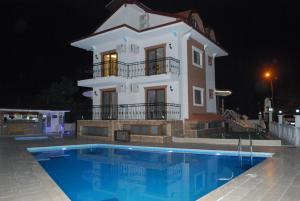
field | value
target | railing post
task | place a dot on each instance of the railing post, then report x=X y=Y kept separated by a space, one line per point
x=137 y=111
x=168 y=67
x=297 y=127
x=297 y=121
x=135 y=69
x=128 y=71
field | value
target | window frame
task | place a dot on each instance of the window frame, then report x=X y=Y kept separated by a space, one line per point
x=156 y=60
x=210 y=60
x=211 y=94
x=112 y=67
x=194 y=96
x=200 y=65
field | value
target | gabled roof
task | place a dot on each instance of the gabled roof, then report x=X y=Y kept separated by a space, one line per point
x=183 y=16
x=116 y=4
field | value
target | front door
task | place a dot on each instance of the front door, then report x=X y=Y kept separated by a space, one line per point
x=110 y=64
x=109 y=105
x=155 y=106
x=155 y=61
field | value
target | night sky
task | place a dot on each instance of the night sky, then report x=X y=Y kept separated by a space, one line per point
x=36 y=51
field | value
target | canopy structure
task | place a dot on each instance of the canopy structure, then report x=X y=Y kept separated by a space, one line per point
x=220 y=94
x=223 y=92
x=31 y=111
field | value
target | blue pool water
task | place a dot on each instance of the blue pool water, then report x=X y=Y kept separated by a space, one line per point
x=114 y=173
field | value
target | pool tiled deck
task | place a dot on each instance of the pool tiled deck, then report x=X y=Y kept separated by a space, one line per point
x=277 y=178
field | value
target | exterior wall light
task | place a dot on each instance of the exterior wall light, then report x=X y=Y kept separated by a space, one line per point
x=297 y=111
x=171 y=88
x=95 y=92
x=270 y=109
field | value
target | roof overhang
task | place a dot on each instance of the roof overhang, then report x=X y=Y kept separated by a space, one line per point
x=101 y=82
x=123 y=31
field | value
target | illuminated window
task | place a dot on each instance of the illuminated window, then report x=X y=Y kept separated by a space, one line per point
x=110 y=64
x=197 y=57
x=198 y=99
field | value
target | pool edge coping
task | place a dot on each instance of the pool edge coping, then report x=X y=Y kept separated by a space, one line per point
x=153 y=148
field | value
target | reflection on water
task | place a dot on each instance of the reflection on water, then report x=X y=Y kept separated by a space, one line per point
x=107 y=174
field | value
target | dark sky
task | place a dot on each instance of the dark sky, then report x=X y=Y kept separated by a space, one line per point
x=35 y=38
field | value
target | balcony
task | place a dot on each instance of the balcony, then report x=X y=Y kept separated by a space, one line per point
x=138 y=111
x=137 y=69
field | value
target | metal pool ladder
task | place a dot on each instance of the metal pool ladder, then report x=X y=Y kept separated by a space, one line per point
x=240 y=145
x=251 y=144
x=251 y=148
x=240 y=150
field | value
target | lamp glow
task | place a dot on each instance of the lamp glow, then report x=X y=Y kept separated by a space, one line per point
x=267 y=75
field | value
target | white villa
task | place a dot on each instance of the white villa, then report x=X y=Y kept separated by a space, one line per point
x=155 y=71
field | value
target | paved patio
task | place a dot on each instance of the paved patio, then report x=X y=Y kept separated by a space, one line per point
x=277 y=178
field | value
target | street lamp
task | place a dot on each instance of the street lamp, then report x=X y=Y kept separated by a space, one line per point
x=268 y=75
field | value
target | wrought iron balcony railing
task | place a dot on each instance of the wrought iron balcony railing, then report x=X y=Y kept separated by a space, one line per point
x=142 y=68
x=139 y=111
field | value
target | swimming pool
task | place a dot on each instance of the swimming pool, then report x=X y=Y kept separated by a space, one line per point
x=131 y=173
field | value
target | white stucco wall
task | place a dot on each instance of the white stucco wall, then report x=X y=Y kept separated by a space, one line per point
x=125 y=15
x=175 y=38
x=155 y=20
x=129 y=97
x=176 y=47
x=210 y=84
x=169 y=39
x=183 y=91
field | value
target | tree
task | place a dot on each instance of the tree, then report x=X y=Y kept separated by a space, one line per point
x=60 y=96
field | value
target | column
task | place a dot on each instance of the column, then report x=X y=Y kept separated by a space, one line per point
x=297 y=128
x=280 y=118
x=259 y=116
x=297 y=120
x=280 y=125
x=270 y=115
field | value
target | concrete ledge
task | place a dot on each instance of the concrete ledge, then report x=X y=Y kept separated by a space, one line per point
x=150 y=139
x=103 y=138
x=227 y=141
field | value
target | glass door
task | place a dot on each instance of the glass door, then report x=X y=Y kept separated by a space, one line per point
x=110 y=64
x=109 y=105
x=155 y=106
x=155 y=61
